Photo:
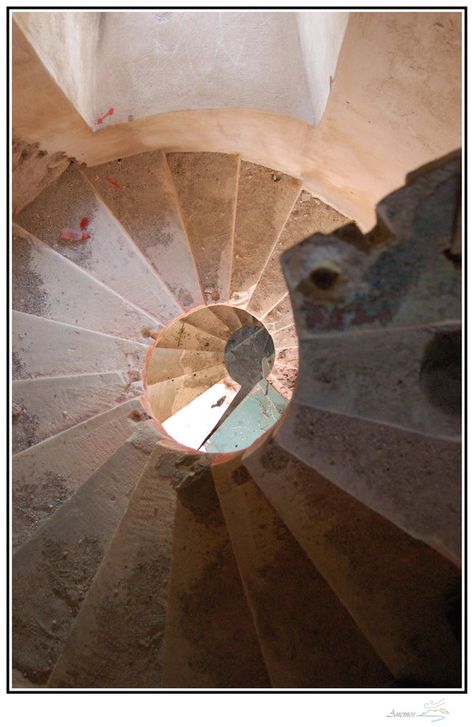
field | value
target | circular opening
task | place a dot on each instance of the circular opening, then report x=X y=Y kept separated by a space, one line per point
x=209 y=381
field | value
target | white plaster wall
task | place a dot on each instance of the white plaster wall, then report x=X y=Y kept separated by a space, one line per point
x=156 y=62
x=66 y=43
x=321 y=36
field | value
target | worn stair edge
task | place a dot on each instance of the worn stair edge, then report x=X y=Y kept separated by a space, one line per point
x=146 y=206
x=125 y=607
x=210 y=641
x=47 y=348
x=54 y=569
x=163 y=364
x=48 y=473
x=403 y=595
x=307 y=638
x=47 y=406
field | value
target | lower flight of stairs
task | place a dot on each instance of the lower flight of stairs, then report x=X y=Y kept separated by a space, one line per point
x=314 y=540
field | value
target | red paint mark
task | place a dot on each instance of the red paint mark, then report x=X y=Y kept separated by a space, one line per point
x=85 y=236
x=451 y=24
x=84 y=223
x=113 y=183
x=101 y=119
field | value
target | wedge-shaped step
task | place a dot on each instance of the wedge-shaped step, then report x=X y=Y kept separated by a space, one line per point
x=46 y=475
x=403 y=595
x=168 y=397
x=407 y=377
x=344 y=281
x=208 y=321
x=116 y=639
x=167 y=363
x=46 y=348
x=184 y=335
x=107 y=253
x=411 y=479
x=308 y=215
x=140 y=193
x=210 y=640
x=280 y=316
x=228 y=315
x=46 y=284
x=206 y=185
x=260 y=410
x=307 y=638
x=285 y=337
x=54 y=569
x=264 y=200
x=46 y=406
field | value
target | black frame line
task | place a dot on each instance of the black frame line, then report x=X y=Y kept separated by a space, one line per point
x=464 y=141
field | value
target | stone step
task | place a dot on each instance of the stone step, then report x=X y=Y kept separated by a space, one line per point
x=49 y=405
x=184 y=335
x=409 y=378
x=145 y=205
x=285 y=337
x=284 y=379
x=309 y=215
x=206 y=185
x=210 y=639
x=307 y=638
x=206 y=320
x=108 y=254
x=264 y=200
x=54 y=569
x=404 y=596
x=228 y=315
x=116 y=639
x=46 y=284
x=46 y=348
x=167 y=363
x=168 y=397
x=418 y=477
x=280 y=316
x=47 y=474
x=288 y=357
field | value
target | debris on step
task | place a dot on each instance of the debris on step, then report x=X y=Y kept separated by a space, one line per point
x=148 y=333
x=70 y=233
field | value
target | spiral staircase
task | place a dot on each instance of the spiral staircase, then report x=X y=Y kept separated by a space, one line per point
x=313 y=539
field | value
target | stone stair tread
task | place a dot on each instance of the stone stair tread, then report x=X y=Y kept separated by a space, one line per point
x=408 y=377
x=307 y=638
x=184 y=335
x=417 y=476
x=206 y=185
x=401 y=593
x=108 y=254
x=207 y=320
x=168 y=363
x=48 y=474
x=309 y=215
x=47 y=348
x=165 y=398
x=285 y=337
x=116 y=639
x=210 y=640
x=228 y=315
x=280 y=316
x=264 y=201
x=46 y=284
x=49 y=405
x=54 y=569
x=145 y=205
